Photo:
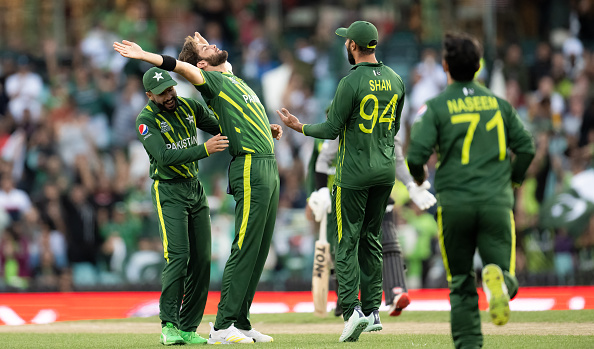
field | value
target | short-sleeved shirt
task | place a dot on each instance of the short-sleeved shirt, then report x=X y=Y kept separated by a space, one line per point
x=365 y=113
x=240 y=113
x=170 y=138
x=471 y=129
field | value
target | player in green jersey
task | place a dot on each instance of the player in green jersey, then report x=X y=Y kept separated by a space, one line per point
x=167 y=129
x=394 y=283
x=365 y=113
x=253 y=176
x=471 y=129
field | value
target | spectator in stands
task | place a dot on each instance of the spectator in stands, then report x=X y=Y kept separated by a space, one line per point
x=514 y=68
x=24 y=90
x=14 y=201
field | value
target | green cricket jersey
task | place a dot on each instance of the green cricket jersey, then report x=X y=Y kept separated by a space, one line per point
x=170 y=138
x=471 y=129
x=239 y=111
x=365 y=113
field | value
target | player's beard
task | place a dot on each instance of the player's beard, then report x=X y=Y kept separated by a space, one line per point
x=164 y=107
x=218 y=58
x=350 y=56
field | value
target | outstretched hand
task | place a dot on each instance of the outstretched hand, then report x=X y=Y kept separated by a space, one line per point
x=128 y=49
x=290 y=120
x=277 y=131
x=216 y=144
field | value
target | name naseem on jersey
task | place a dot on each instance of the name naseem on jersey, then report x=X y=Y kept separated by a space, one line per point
x=184 y=143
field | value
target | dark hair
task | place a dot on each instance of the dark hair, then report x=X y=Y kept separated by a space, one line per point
x=365 y=51
x=189 y=54
x=462 y=53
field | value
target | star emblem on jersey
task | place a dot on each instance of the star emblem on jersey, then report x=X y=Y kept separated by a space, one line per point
x=158 y=76
x=190 y=119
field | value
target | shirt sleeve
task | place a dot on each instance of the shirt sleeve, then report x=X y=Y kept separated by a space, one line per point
x=402 y=173
x=155 y=145
x=338 y=115
x=213 y=83
x=520 y=142
x=423 y=138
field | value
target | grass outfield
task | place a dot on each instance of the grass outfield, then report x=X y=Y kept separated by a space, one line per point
x=548 y=329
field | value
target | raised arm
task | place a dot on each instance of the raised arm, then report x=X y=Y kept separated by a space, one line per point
x=132 y=50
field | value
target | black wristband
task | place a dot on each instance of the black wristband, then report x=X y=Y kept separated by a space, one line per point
x=169 y=63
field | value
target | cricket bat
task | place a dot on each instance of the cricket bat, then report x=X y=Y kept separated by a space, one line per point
x=321 y=271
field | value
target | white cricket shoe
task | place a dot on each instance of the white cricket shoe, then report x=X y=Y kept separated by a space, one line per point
x=354 y=326
x=231 y=335
x=374 y=322
x=257 y=336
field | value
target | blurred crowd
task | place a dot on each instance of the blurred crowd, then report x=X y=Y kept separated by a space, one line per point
x=75 y=205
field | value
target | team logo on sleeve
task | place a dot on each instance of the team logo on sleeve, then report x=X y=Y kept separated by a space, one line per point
x=143 y=129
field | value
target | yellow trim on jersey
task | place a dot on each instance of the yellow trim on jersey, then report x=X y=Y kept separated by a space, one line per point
x=444 y=255
x=187 y=169
x=512 y=259
x=247 y=196
x=201 y=73
x=230 y=101
x=237 y=130
x=261 y=115
x=180 y=120
x=162 y=221
x=205 y=148
x=178 y=171
x=167 y=122
x=303 y=129
x=191 y=110
x=248 y=149
x=149 y=108
x=338 y=213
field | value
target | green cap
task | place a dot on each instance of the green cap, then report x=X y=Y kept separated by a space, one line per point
x=362 y=33
x=157 y=80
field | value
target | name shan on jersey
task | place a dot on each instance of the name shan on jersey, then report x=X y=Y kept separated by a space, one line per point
x=380 y=85
x=474 y=103
x=184 y=143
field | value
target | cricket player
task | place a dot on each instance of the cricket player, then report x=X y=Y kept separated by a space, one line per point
x=167 y=129
x=365 y=113
x=394 y=282
x=253 y=176
x=471 y=129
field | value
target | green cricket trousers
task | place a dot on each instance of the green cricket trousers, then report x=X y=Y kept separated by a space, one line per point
x=359 y=215
x=184 y=224
x=254 y=184
x=462 y=229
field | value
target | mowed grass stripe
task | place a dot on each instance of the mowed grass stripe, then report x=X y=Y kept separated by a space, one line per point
x=367 y=340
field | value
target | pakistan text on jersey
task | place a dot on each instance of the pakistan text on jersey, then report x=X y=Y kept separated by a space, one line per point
x=250 y=98
x=469 y=104
x=184 y=143
x=380 y=85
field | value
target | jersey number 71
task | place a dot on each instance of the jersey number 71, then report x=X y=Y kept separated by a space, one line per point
x=474 y=118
